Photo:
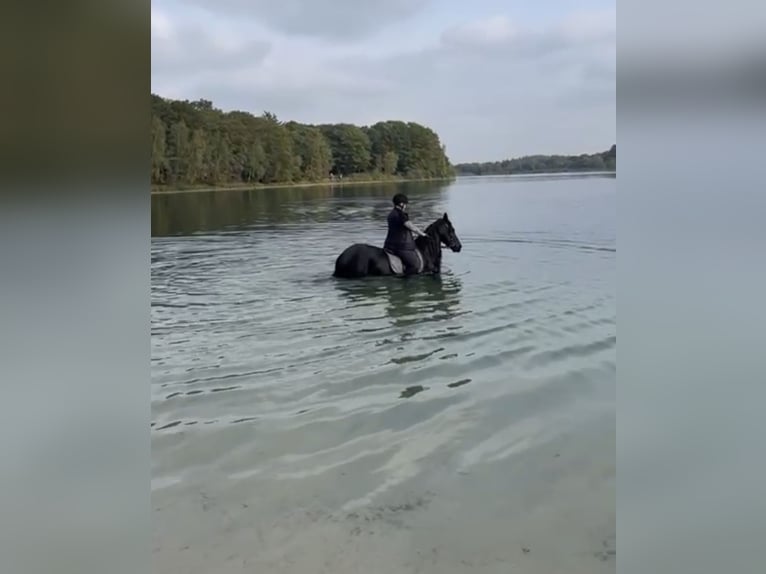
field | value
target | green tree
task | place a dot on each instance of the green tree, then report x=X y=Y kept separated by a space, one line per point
x=313 y=150
x=350 y=148
x=193 y=142
x=254 y=167
x=218 y=158
x=605 y=161
x=389 y=163
x=281 y=166
x=179 y=151
x=159 y=157
x=196 y=168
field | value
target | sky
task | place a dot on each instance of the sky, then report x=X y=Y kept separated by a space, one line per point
x=494 y=78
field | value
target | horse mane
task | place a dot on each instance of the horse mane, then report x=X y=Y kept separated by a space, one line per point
x=432 y=227
x=430 y=246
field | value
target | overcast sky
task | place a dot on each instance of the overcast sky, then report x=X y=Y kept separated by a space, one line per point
x=494 y=78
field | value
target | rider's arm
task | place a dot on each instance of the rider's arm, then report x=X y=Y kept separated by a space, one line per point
x=412 y=227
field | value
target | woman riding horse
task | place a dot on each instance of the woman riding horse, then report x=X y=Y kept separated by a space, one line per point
x=422 y=255
x=399 y=240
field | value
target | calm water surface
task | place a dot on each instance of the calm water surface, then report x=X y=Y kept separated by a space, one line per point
x=461 y=424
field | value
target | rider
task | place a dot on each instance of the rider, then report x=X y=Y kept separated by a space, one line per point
x=399 y=240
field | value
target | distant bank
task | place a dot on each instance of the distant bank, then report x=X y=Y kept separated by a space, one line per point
x=195 y=145
x=541 y=164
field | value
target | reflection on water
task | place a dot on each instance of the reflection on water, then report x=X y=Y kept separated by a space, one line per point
x=408 y=301
x=430 y=424
x=179 y=214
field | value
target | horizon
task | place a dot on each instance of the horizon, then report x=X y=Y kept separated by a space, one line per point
x=526 y=155
x=500 y=80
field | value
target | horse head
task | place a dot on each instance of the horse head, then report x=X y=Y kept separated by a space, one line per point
x=444 y=230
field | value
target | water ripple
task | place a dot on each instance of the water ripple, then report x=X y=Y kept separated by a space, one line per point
x=383 y=405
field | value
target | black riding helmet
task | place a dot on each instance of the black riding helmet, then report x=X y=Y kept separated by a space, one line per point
x=400 y=199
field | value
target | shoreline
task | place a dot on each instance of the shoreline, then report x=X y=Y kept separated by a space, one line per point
x=540 y=173
x=260 y=186
x=304 y=184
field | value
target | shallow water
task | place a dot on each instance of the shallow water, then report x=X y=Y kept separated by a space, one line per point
x=305 y=425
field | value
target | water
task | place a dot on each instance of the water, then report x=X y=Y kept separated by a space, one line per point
x=306 y=425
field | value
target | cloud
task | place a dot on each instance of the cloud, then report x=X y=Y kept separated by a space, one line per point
x=499 y=34
x=336 y=20
x=181 y=48
x=489 y=31
x=492 y=63
x=492 y=87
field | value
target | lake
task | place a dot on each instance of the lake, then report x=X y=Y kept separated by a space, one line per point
x=303 y=424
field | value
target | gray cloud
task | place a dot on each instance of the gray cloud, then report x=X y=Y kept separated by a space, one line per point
x=499 y=36
x=491 y=90
x=331 y=100
x=472 y=69
x=336 y=20
x=189 y=49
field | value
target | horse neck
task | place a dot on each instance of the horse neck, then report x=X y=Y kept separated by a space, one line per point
x=431 y=248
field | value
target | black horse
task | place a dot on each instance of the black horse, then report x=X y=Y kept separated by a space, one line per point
x=362 y=260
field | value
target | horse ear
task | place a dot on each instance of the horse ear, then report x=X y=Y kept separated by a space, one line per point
x=446 y=218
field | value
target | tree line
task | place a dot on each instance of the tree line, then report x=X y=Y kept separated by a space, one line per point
x=194 y=143
x=604 y=161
